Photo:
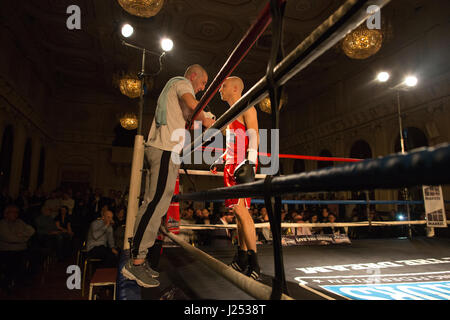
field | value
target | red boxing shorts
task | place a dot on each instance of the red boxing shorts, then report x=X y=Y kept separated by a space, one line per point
x=228 y=179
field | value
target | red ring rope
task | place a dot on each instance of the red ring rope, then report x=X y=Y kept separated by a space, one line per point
x=238 y=54
x=294 y=156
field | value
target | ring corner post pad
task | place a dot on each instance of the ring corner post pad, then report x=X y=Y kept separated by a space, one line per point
x=135 y=188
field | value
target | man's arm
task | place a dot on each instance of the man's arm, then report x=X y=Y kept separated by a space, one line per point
x=98 y=229
x=7 y=235
x=28 y=230
x=192 y=103
x=110 y=238
x=251 y=123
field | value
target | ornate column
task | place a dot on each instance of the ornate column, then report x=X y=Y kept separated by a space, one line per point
x=50 y=167
x=17 y=160
x=35 y=157
x=2 y=130
x=381 y=148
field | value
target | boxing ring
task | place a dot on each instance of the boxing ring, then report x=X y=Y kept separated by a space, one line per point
x=284 y=279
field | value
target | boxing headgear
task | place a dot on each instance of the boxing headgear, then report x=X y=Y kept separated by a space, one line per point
x=244 y=172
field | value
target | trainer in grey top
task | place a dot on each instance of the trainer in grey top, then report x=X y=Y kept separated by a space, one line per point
x=143 y=274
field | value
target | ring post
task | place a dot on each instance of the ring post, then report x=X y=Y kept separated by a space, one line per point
x=135 y=188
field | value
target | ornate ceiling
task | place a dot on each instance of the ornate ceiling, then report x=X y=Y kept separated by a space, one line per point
x=203 y=32
x=79 y=65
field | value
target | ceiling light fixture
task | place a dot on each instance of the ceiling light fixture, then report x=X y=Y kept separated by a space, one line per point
x=383 y=76
x=166 y=44
x=142 y=8
x=127 y=30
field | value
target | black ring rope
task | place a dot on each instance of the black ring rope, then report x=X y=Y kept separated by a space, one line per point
x=423 y=166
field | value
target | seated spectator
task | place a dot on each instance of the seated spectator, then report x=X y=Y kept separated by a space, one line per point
x=187 y=235
x=14 y=237
x=202 y=217
x=324 y=215
x=292 y=216
x=283 y=215
x=100 y=240
x=63 y=221
x=262 y=214
x=314 y=218
x=374 y=216
x=265 y=232
x=198 y=217
x=119 y=217
x=206 y=216
x=47 y=234
x=64 y=225
x=333 y=229
x=67 y=202
x=53 y=203
x=119 y=227
x=223 y=237
x=255 y=214
x=301 y=231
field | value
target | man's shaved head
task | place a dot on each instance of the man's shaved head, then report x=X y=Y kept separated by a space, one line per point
x=231 y=89
x=195 y=68
x=198 y=77
x=237 y=83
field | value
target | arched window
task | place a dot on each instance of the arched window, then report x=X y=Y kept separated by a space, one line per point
x=361 y=150
x=324 y=164
x=6 y=156
x=40 y=179
x=26 y=166
x=413 y=137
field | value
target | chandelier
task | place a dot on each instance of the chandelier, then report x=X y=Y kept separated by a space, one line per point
x=130 y=86
x=142 y=8
x=265 y=104
x=362 y=42
x=129 y=121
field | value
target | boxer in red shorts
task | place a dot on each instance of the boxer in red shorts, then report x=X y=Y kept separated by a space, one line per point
x=240 y=155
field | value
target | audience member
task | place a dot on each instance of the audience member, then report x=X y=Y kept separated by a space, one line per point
x=53 y=203
x=206 y=216
x=100 y=240
x=64 y=225
x=314 y=218
x=198 y=216
x=265 y=232
x=14 y=237
x=97 y=202
x=46 y=231
x=223 y=238
x=186 y=218
x=5 y=200
x=80 y=216
x=68 y=202
x=119 y=227
x=324 y=215
x=333 y=229
x=301 y=231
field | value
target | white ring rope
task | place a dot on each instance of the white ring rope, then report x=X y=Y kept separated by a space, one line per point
x=210 y=174
x=299 y=225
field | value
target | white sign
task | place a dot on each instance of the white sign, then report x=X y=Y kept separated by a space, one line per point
x=434 y=206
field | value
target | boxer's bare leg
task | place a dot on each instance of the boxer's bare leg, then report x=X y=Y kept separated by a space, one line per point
x=246 y=227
